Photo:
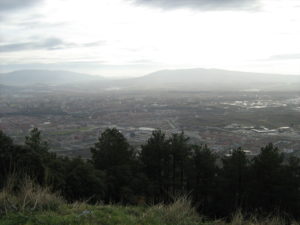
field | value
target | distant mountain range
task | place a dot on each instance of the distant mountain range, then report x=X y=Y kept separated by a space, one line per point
x=44 y=77
x=211 y=79
x=181 y=80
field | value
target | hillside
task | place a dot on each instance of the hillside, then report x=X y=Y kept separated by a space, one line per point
x=204 y=80
x=174 y=80
x=214 y=79
x=46 y=77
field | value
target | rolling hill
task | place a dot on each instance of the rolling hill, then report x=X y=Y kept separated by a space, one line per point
x=46 y=77
x=174 y=80
x=213 y=79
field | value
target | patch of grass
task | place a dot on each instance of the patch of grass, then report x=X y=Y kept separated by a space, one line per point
x=81 y=213
x=26 y=196
x=178 y=213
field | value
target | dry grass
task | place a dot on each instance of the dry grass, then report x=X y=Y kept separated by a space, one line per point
x=239 y=219
x=18 y=200
x=25 y=195
x=180 y=212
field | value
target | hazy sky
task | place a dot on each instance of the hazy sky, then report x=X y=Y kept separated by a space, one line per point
x=135 y=37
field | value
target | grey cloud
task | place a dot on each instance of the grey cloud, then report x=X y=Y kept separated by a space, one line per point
x=202 y=4
x=49 y=44
x=78 y=66
x=72 y=65
x=36 y=21
x=37 y=24
x=15 y=47
x=55 y=43
x=8 y=5
x=93 y=44
x=142 y=61
x=285 y=57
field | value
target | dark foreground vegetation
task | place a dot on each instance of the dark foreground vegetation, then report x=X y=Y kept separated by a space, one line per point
x=165 y=167
x=54 y=211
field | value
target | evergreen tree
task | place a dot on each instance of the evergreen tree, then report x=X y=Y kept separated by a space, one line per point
x=235 y=177
x=6 y=156
x=34 y=141
x=291 y=193
x=203 y=178
x=40 y=148
x=29 y=163
x=19 y=160
x=180 y=153
x=155 y=158
x=112 y=149
x=115 y=157
x=267 y=180
x=83 y=181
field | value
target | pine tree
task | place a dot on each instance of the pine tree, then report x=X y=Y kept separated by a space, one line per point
x=267 y=179
x=83 y=181
x=113 y=155
x=180 y=152
x=235 y=176
x=6 y=156
x=34 y=141
x=155 y=158
x=203 y=177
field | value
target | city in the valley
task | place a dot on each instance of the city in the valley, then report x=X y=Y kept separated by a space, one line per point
x=72 y=121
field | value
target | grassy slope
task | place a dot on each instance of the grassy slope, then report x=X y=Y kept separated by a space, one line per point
x=83 y=214
x=35 y=205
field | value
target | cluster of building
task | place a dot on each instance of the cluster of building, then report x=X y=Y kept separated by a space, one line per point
x=73 y=123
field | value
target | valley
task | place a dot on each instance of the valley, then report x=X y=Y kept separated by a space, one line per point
x=72 y=122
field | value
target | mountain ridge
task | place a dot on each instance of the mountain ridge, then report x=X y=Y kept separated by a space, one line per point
x=214 y=79
x=47 y=77
x=179 y=79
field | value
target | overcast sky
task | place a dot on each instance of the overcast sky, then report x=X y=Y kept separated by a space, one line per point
x=134 y=37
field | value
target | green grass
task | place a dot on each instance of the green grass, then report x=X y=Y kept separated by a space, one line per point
x=67 y=214
x=178 y=213
x=86 y=215
x=34 y=205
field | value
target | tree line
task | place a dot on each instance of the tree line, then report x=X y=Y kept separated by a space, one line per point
x=166 y=166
